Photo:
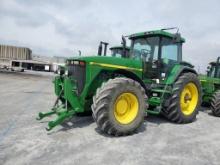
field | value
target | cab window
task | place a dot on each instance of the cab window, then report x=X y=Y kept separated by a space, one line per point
x=169 y=50
x=145 y=49
x=212 y=73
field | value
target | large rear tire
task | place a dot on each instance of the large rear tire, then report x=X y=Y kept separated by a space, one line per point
x=119 y=106
x=215 y=104
x=185 y=99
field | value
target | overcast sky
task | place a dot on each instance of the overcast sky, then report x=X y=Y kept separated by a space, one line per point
x=61 y=28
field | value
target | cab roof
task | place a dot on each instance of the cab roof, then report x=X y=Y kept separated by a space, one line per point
x=154 y=33
x=213 y=63
x=119 y=47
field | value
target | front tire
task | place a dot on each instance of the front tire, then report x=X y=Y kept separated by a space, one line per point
x=215 y=104
x=185 y=99
x=119 y=106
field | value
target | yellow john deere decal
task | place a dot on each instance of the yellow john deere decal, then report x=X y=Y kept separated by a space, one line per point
x=115 y=66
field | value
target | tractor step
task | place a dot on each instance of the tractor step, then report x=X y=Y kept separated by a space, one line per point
x=156 y=101
x=155 y=111
x=161 y=91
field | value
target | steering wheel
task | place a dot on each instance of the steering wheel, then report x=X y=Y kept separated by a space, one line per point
x=145 y=53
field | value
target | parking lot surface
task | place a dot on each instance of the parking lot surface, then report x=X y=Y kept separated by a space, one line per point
x=23 y=140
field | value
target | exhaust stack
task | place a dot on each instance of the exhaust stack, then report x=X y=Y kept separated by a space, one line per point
x=100 y=48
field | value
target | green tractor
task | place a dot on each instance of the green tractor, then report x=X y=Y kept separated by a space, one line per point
x=120 y=91
x=211 y=87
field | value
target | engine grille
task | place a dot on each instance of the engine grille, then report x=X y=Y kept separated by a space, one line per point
x=79 y=74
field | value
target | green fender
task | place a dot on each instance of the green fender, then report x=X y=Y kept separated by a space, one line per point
x=177 y=71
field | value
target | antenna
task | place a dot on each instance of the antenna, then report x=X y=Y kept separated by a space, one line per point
x=171 y=28
x=79 y=52
x=199 y=69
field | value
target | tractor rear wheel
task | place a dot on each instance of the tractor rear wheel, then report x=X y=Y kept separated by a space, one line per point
x=215 y=104
x=185 y=99
x=118 y=106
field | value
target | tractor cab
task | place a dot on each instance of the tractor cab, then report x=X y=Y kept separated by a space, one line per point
x=214 y=69
x=211 y=87
x=159 y=51
x=118 y=51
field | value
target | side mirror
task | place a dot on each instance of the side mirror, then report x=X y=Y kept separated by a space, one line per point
x=208 y=70
x=177 y=38
x=123 y=42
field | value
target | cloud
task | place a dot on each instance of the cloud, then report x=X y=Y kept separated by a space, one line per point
x=56 y=27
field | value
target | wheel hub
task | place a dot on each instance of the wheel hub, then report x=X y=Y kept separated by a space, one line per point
x=189 y=98
x=122 y=106
x=126 y=108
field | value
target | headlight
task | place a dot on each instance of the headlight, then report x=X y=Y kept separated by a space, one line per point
x=76 y=62
x=66 y=72
x=58 y=71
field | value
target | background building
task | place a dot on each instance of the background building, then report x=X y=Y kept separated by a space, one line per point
x=21 y=58
x=16 y=53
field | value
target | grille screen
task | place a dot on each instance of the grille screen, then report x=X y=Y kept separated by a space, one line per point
x=78 y=73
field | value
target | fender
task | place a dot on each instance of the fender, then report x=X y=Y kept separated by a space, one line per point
x=105 y=74
x=131 y=75
x=177 y=71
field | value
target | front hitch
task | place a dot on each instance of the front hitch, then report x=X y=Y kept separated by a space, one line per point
x=62 y=112
x=69 y=106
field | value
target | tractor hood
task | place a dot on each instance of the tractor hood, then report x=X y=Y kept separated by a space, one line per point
x=113 y=62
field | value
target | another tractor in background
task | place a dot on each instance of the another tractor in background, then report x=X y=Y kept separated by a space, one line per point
x=211 y=87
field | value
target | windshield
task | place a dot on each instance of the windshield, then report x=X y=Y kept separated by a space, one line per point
x=145 y=48
x=212 y=73
x=169 y=49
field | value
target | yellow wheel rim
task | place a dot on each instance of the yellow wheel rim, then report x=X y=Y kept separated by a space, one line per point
x=189 y=98
x=126 y=108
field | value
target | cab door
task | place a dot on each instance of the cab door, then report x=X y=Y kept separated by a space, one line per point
x=152 y=66
x=170 y=54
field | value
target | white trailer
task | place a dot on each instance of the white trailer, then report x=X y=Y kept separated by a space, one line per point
x=16 y=66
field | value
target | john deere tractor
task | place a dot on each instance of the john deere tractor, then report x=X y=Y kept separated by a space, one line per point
x=121 y=91
x=211 y=87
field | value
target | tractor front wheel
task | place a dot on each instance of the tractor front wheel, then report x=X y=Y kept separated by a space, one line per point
x=118 y=106
x=185 y=99
x=215 y=104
